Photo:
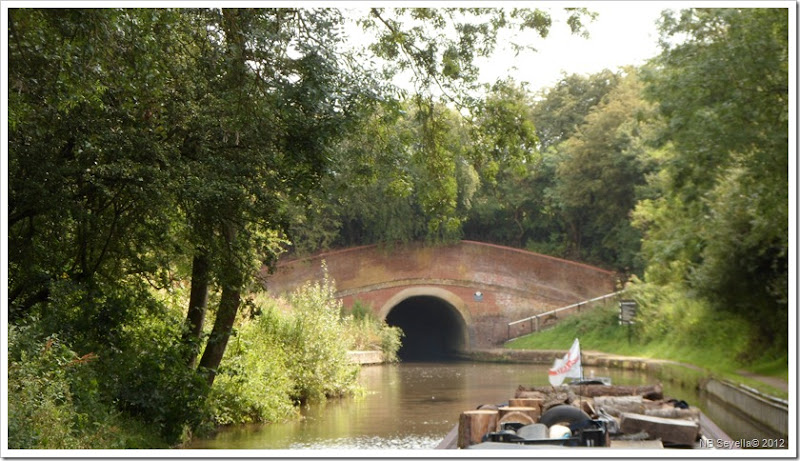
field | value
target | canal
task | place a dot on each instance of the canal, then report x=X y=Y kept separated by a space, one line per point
x=414 y=405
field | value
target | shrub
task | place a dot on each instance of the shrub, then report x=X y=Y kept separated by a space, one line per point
x=367 y=332
x=253 y=384
x=40 y=409
x=55 y=401
x=150 y=379
x=316 y=341
x=290 y=351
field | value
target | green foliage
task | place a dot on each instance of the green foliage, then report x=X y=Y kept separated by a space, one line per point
x=136 y=339
x=682 y=327
x=314 y=341
x=55 y=399
x=366 y=332
x=598 y=172
x=90 y=160
x=719 y=218
x=561 y=109
x=40 y=409
x=572 y=199
x=292 y=351
x=150 y=377
x=668 y=326
x=253 y=383
x=438 y=47
x=504 y=134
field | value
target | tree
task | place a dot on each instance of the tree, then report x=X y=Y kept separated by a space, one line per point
x=561 y=109
x=504 y=151
x=721 y=220
x=91 y=155
x=596 y=179
x=572 y=198
x=278 y=99
x=94 y=221
x=436 y=48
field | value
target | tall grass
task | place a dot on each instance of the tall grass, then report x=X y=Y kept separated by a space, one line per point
x=367 y=332
x=669 y=325
x=293 y=350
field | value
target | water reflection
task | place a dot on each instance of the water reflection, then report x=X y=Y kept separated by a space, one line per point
x=414 y=405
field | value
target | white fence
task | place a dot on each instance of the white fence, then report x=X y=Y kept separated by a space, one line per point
x=536 y=322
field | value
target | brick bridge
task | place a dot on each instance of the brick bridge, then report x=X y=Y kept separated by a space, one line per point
x=449 y=298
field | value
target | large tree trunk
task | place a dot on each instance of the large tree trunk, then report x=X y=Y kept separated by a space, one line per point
x=232 y=281
x=198 y=304
x=232 y=277
x=218 y=341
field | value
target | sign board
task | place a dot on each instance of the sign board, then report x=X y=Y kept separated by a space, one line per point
x=627 y=311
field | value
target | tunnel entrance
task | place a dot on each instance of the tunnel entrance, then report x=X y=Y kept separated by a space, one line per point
x=434 y=330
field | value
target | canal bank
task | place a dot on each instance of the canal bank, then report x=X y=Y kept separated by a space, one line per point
x=768 y=411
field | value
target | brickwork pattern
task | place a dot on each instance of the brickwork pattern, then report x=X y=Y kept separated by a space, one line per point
x=513 y=283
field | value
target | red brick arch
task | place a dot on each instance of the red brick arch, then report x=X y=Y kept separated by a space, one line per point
x=514 y=283
x=445 y=295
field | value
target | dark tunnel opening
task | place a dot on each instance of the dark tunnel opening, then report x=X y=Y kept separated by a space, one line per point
x=434 y=330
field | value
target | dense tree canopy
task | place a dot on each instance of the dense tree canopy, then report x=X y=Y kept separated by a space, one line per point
x=721 y=219
x=160 y=158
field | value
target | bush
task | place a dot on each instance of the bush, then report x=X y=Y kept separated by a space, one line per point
x=253 y=383
x=40 y=409
x=367 y=332
x=317 y=343
x=54 y=399
x=288 y=352
x=151 y=381
x=668 y=315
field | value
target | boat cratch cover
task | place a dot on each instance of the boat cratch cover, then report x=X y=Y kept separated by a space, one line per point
x=567 y=367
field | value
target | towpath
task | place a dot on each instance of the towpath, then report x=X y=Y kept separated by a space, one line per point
x=777 y=383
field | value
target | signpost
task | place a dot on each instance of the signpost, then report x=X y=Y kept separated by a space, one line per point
x=627 y=314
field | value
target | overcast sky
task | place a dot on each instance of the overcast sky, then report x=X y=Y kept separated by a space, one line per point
x=624 y=33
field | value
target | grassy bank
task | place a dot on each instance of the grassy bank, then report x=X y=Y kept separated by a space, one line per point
x=685 y=331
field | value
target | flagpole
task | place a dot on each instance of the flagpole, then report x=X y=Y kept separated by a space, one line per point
x=580 y=388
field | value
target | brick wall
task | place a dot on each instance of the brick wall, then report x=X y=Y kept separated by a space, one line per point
x=514 y=283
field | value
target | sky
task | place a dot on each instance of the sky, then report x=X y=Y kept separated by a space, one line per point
x=623 y=33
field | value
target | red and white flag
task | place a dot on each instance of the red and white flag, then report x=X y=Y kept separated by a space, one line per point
x=568 y=367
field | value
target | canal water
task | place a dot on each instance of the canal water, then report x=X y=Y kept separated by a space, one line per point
x=414 y=405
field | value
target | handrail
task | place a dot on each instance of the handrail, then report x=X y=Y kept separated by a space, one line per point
x=555 y=311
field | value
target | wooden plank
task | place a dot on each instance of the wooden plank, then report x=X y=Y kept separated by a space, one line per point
x=677 y=431
x=450 y=441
